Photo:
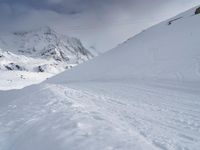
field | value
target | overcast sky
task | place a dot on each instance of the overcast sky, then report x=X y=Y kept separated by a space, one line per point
x=99 y=23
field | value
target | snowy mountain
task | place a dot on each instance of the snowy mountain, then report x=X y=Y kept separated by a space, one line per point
x=144 y=94
x=40 y=50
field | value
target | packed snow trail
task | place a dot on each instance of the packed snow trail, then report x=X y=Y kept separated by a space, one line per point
x=102 y=115
x=57 y=117
x=167 y=118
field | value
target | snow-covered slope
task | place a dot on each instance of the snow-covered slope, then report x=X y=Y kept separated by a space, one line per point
x=143 y=95
x=40 y=50
x=167 y=51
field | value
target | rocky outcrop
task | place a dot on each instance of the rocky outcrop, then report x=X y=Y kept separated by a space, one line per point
x=197 y=11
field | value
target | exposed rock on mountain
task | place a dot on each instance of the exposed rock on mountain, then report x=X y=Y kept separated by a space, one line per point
x=42 y=44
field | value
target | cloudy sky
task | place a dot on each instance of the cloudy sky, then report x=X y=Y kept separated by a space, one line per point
x=98 y=23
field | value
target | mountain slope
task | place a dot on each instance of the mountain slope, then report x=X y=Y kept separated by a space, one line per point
x=167 y=51
x=46 y=43
x=145 y=94
x=41 y=50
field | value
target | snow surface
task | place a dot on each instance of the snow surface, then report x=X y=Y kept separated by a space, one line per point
x=20 y=79
x=143 y=95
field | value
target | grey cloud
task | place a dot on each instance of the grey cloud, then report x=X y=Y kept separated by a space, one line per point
x=94 y=21
x=72 y=6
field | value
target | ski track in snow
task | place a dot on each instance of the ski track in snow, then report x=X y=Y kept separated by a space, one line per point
x=168 y=120
x=128 y=116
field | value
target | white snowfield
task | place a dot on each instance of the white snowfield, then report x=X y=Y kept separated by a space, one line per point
x=143 y=95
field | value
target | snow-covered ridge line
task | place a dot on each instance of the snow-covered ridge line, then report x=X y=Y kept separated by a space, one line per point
x=45 y=43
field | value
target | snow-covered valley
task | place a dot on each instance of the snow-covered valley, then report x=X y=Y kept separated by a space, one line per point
x=142 y=95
